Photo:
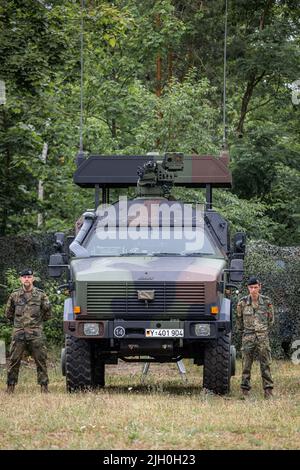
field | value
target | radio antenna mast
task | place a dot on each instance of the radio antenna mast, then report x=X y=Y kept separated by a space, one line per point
x=224 y=78
x=80 y=156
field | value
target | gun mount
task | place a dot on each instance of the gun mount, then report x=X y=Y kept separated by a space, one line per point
x=157 y=178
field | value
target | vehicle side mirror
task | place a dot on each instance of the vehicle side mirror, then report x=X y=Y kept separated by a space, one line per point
x=56 y=265
x=236 y=270
x=59 y=241
x=239 y=243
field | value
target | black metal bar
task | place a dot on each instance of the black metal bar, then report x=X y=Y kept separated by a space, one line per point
x=208 y=196
x=97 y=195
x=104 y=189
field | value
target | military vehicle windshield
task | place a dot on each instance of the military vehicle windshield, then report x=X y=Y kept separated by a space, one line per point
x=152 y=241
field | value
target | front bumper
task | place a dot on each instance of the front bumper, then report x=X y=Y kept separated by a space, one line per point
x=128 y=330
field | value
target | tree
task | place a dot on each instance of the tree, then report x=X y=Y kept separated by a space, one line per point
x=153 y=80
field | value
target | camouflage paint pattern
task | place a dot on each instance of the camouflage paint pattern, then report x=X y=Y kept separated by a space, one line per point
x=188 y=284
x=254 y=320
x=186 y=279
x=253 y=344
x=27 y=313
x=34 y=344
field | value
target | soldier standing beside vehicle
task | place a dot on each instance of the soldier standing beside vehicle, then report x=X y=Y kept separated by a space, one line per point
x=27 y=308
x=255 y=315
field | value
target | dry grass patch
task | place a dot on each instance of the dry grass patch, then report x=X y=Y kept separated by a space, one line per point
x=162 y=413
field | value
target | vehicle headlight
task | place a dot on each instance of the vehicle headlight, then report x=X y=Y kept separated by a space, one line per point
x=202 y=329
x=91 y=329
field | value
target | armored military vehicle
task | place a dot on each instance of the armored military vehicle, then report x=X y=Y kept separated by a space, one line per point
x=148 y=277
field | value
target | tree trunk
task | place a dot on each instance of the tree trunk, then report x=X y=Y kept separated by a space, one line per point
x=6 y=183
x=170 y=65
x=268 y=6
x=113 y=128
x=40 y=220
x=253 y=80
x=158 y=63
x=251 y=84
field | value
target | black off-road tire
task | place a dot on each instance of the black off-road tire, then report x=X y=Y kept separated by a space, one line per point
x=216 y=368
x=79 y=376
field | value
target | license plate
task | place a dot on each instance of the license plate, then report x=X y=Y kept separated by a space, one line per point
x=164 y=333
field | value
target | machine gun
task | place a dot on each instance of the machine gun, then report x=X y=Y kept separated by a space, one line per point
x=157 y=178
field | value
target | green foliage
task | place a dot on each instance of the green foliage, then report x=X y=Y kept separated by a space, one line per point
x=130 y=108
x=266 y=169
x=284 y=204
x=12 y=280
x=11 y=283
x=53 y=328
x=243 y=215
x=246 y=216
x=253 y=169
x=185 y=120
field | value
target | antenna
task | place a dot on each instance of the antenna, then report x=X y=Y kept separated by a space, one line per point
x=80 y=156
x=224 y=77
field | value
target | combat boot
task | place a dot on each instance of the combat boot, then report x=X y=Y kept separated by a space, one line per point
x=268 y=393
x=10 y=388
x=44 y=388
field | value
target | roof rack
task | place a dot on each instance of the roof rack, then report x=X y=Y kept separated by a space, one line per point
x=121 y=171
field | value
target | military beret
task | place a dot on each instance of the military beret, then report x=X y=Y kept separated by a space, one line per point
x=253 y=280
x=26 y=272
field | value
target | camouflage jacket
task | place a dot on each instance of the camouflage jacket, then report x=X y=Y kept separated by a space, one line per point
x=254 y=319
x=28 y=312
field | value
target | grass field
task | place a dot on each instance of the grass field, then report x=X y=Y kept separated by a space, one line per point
x=162 y=413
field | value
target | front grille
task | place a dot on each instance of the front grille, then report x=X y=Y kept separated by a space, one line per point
x=120 y=300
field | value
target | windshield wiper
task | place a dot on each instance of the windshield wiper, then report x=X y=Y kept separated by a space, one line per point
x=160 y=253
x=197 y=253
x=133 y=254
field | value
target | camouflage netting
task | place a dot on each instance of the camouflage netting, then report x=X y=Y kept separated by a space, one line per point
x=22 y=252
x=277 y=267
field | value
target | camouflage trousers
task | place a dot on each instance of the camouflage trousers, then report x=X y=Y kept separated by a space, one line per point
x=253 y=344
x=34 y=344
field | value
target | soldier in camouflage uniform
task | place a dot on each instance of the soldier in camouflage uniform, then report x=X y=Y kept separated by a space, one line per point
x=255 y=315
x=27 y=308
